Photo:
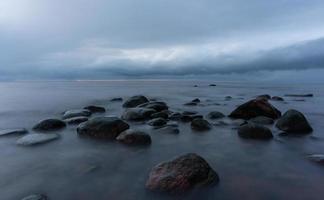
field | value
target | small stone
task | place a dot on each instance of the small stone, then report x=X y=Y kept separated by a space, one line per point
x=196 y=100
x=134 y=137
x=215 y=115
x=276 y=98
x=76 y=113
x=116 y=99
x=135 y=101
x=49 y=125
x=37 y=138
x=212 y=85
x=95 y=109
x=200 y=125
x=137 y=114
x=157 y=122
x=162 y=114
x=76 y=120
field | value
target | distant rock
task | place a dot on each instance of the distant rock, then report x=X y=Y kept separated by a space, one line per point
x=134 y=137
x=200 y=125
x=181 y=174
x=276 y=98
x=264 y=96
x=318 y=158
x=76 y=113
x=215 y=115
x=156 y=105
x=36 y=138
x=103 y=127
x=294 y=121
x=18 y=131
x=262 y=120
x=49 y=125
x=299 y=95
x=190 y=104
x=157 y=122
x=175 y=116
x=36 y=197
x=189 y=112
x=95 y=109
x=161 y=114
x=255 y=108
x=212 y=85
x=76 y=120
x=117 y=99
x=195 y=85
x=135 y=101
x=254 y=131
x=227 y=98
x=137 y=114
x=196 y=100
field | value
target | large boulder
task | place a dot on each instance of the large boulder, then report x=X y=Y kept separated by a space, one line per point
x=254 y=131
x=180 y=174
x=95 y=109
x=294 y=121
x=103 y=127
x=199 y=124
x=49 y=125
x=255 y=108
x=37 y=138
x=137 y=114
x=76 y=113
x=134 y=137
x=156 y=105
x=135 y=101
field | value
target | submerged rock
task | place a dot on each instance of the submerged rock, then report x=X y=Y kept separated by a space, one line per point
x=215 y=115
x=135 y=101
x=175 y=116
x=157 y=122
x=196 y=100
x=254 y=131
x=116 y=99
x=294 y=121
x=276 y=98
x=36 y=197
x=37 y=138
x=17 y=131
x=156 y=105
x=255 y=108
x=264 y=96
x=162 y=114
x=103 y=127
x=76 y=120
x=262 y=120
x=168 y=130
x=76 y=113
x=49 y=125
x=134 y=137
x=137 y=114
x=200 y=125
x=181 y=174
x=95 y=109
x=212 y=85
x=190 y=104
x=299 y=95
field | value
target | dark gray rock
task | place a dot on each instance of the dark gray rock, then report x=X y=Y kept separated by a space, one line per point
x=212 y=85
x=227 y=98
x=137 y=114
x=18 y=131
x=254 y=131
x=262 y=120
x=76 y=120
x=215 y=115
x=200 y=125
x=49 y=125
x=156 y=105
x=255 y=108
x=299 y=95
x=157 y=122
x=134 y=137
x=103 y=127
x=117 y=99
x=196 y=100
x=294 y=121
x=318 y=158
x=76 y=113
x=276 y=98
x=264 y=96
x=168 y=130
x=181 y=174
x=189 y=112
x=37 y=138
x=162 y=114
x=175 y=116
x=95 y=109
x=135 y=101
x=190 y=104
x=36 y=197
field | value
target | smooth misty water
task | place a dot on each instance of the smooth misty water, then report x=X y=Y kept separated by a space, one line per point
x=81 y=168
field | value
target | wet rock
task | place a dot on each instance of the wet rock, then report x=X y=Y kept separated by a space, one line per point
x=49 y=125
x=189 y=118
x=196 y=100
x=190 y=104
x=134 y=137
x=195 y=85
x=262 y=120
x=215 y=115
x=117 y=99
x=95 y=109
x=76 y=113
x=264 y=96
x=135 y=101
x=137 y=114
x=36 y=197
x=255 y=108
x=37 y=138
x=318 y=158
x=200 y=125
x=227 y=98
x=157 y=122
x=156 y=105
x=76 y=120
x=212 y=85
x=18 y=131
x=299 y=95
x=175 y=116
x=162 y=114
x=294 y=121
x=181 y=174
x=168 y=130
x=276 y=98
x=103 y=127
x=254 y=131
x=189 y=112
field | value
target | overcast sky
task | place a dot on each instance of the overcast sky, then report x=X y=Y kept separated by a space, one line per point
x=87 y=39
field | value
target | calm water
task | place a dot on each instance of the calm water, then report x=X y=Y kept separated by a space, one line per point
x=74 y=168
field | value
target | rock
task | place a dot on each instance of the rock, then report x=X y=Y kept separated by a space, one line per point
x=181 y=174
x=103 y=127
x=189 y=118
x=196 y=100
x=134 y=137
x=200 y=125
x=189 y=112
x=215 y=115
x=137 y=114
x=36 y=197
x=255 y=108
x=157 y=122
x=49 y=125
x=156 y=105
x=95 y=109
x=227 y=98
x=262 y=120
x=254 y=131
x=264 y=96
x=135 y=101
x=168 y=130
x=190 y=104
x=162 y=114
x=318 y=158
x=195 y=85
x=76 y=120
x=76 y=113
x=36 y=138
x=175 y=116
x=299 y=95
x=294 y=121
x=276 y=98
x=116 y=99
x=17 y=131
x=212 y=85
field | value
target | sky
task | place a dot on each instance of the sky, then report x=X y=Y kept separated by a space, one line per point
x=99 y=39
